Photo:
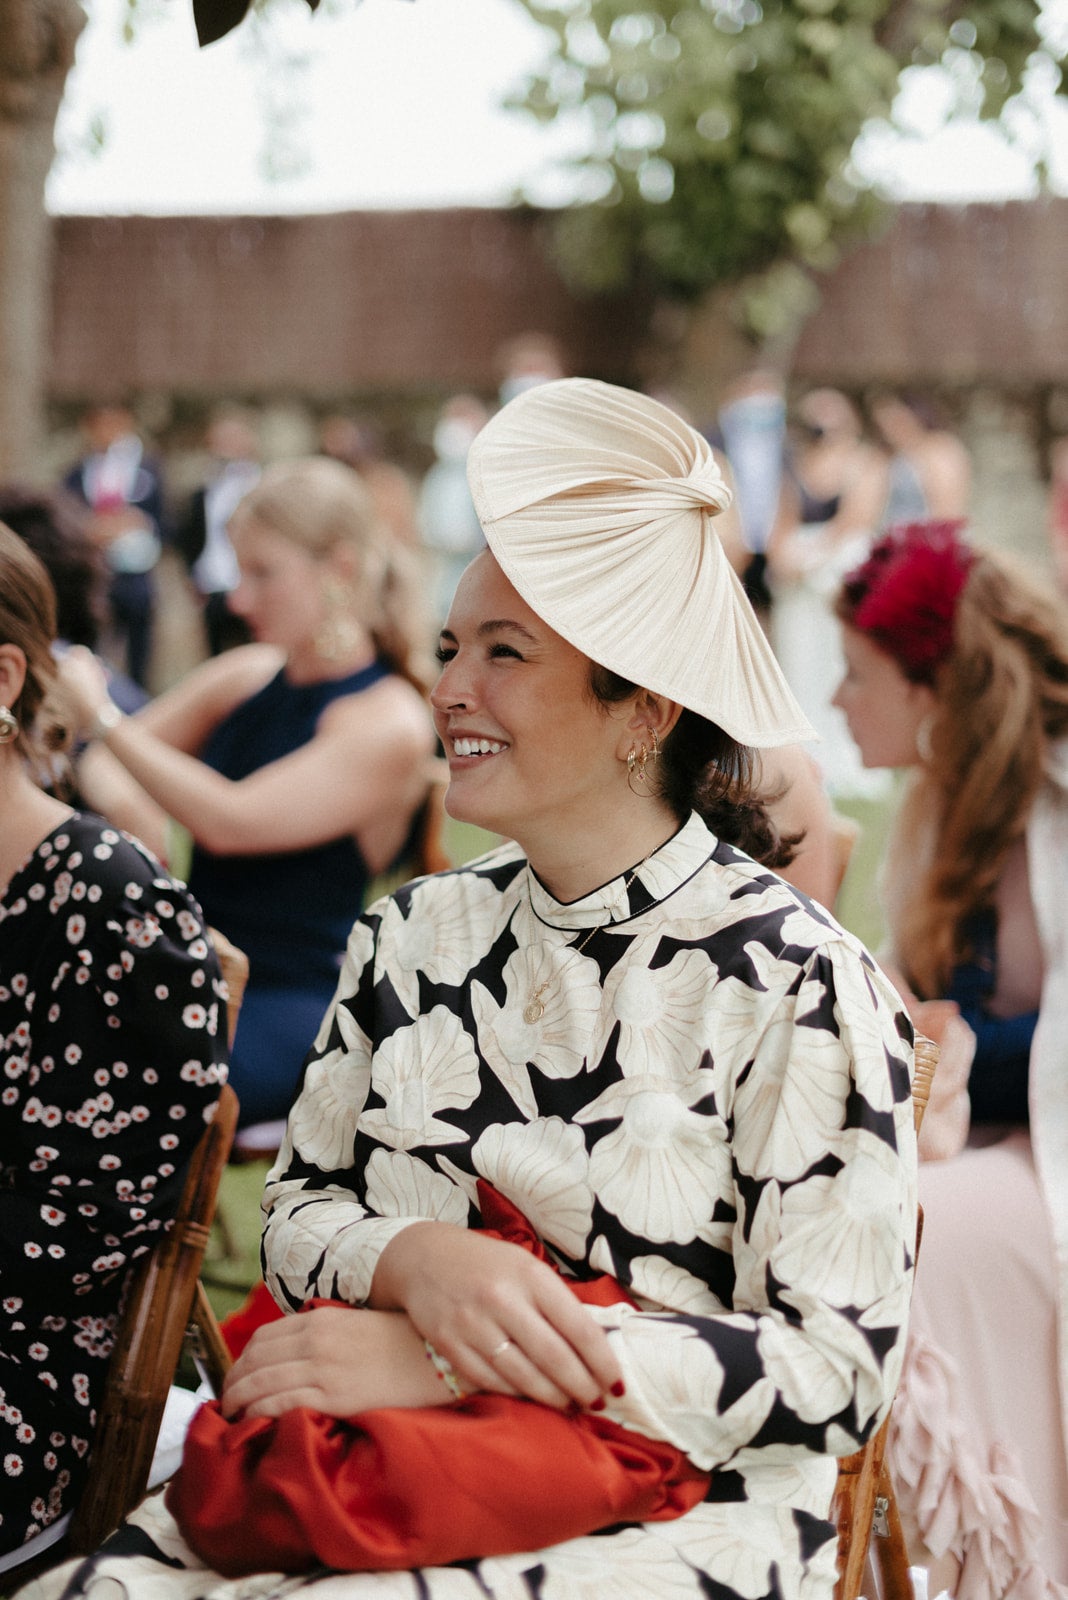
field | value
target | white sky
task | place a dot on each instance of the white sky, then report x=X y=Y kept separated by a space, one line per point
x=396 y=103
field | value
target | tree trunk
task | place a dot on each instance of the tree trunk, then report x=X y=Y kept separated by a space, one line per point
x=37 y=39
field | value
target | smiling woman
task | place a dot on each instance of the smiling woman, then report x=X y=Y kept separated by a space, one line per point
x=297 y=763
x=514 y=768
x=610 y=1123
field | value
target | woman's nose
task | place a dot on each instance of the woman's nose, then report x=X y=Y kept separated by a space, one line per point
x=453 y=689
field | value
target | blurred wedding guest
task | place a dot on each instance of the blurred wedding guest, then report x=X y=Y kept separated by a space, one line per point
x=297 y=763
x=111 y=1016
x=201 y=536
x=930 y=471
x=55 y=526
x=957 y=669
x=122 y=486
x=448 y=521
x=526 y=360
x=832 y=493
x=751 y=429
x=357 y=442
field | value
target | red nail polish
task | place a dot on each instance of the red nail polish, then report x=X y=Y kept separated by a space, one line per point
x=618 y=1390
x=598 y=1404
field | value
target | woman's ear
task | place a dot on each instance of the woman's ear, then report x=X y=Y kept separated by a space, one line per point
x=650 y=714
x=654 y=713
x=12 y=674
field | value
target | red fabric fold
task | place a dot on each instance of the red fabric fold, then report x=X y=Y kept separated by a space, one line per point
x=412 y=1487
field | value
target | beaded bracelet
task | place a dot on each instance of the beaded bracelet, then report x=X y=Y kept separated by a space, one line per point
x=445 y=1372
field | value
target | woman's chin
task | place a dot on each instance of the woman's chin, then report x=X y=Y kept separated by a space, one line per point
x=464 y=803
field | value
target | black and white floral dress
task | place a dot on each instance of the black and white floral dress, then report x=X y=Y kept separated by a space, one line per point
x=713 y=1106
x=110 y=1062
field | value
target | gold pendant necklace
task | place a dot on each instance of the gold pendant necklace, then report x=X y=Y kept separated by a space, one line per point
x=534 y=1009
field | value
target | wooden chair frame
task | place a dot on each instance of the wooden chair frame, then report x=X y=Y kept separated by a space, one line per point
x=864 y=1508
x=157 y=1311
x=165 y=1304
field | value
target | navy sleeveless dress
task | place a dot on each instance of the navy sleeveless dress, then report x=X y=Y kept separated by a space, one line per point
x=291 y=913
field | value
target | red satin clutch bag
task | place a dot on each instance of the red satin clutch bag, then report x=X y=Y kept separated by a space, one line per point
x=417 y=1487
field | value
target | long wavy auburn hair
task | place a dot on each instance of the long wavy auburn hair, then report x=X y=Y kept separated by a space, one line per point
x=1002 y=698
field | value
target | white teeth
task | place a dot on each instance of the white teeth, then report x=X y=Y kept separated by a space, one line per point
x=477 y=747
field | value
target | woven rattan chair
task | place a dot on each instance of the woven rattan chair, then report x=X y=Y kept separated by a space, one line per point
x=864 y=1507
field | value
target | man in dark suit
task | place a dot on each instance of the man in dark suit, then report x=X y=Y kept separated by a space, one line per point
x=201 y=536
x=123 y=489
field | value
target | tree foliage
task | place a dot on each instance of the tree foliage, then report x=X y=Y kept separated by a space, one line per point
x=718 y=133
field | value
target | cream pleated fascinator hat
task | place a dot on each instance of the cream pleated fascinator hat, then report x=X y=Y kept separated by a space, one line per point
x=599 y=504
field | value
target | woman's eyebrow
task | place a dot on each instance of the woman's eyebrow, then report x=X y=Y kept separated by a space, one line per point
x=494 y=625
x=505 y=625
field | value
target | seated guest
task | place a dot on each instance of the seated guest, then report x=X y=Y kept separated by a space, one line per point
x=957 y=669
x=692 y=1085
x=297 y=763
x=111 y=1018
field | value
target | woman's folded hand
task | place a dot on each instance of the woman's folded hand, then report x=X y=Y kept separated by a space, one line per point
x=506 y=1321
x=334 y=1359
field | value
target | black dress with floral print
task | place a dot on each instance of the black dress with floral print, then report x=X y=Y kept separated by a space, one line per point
x=111 y=1057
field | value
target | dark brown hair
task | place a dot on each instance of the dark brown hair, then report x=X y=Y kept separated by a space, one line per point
x=703 y=769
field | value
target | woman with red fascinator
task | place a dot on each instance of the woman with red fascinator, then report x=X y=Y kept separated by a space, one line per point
x=957 y=668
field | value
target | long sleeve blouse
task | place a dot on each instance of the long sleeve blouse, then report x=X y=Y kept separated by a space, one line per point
x=713 y=1105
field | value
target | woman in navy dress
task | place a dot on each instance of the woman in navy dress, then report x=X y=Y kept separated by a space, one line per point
x=297 y=763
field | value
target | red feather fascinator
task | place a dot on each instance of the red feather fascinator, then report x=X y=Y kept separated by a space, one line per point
x=904 y=596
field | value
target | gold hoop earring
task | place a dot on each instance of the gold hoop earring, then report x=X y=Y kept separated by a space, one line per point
x=637 y=761
x=9 y=726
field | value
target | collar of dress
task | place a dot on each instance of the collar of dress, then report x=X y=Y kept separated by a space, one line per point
x=659 y=876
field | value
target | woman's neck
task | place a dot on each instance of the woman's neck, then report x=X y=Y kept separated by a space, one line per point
x=574 y=863
x=27 y=815
x=307 y=665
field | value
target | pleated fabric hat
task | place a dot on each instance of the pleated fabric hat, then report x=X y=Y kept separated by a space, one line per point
x=598 y=504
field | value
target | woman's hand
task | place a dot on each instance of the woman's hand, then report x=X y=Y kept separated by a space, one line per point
x=83 y=684
x=334 y=1359
x=506 y=1322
